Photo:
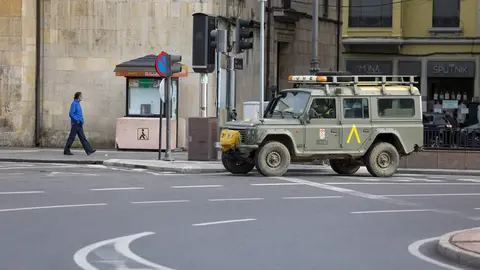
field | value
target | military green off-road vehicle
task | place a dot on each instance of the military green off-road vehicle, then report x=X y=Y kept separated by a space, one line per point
x=352 y=121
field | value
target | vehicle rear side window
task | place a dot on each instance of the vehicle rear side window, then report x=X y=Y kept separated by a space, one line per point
x=396 y=107
x=356 y=108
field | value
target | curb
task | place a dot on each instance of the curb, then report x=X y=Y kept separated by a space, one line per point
x=183 y=170
x=439 y=171
x=194 y=170
x=454 y=253
x=61 y=161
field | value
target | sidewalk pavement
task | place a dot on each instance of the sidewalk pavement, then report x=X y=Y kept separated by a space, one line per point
x=149 y=160
x=462 y=247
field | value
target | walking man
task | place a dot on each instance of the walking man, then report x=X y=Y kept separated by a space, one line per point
x=76 y=116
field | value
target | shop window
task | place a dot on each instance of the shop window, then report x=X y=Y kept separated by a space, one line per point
x=446 y=13
x=396 y=107
x=143 y=97
x=370 y=13
x=356 y=108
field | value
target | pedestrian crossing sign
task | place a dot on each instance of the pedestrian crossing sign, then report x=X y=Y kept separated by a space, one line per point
x=142 y=134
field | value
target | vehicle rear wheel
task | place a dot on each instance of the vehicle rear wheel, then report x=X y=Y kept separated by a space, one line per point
x=236 y=166
x=382 y=160
x=272 y=159
x=344 y=167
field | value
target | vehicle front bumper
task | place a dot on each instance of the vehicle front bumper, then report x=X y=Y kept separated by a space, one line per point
x=239 y=147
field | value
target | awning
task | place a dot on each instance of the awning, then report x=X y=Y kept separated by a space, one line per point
x=143 y=67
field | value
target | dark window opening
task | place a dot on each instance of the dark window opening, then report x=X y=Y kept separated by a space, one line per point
x=446 y=13
x=370 y=13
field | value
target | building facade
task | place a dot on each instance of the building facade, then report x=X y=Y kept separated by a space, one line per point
x=436 y=40
x=64 y=46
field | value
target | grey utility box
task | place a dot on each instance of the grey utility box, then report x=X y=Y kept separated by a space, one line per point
x=202 y=135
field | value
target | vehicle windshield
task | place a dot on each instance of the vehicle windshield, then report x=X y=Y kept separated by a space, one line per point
x=289 y=104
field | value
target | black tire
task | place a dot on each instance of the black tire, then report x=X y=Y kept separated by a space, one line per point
x=272 y=159
x=382 y=160
x=236 y=166
x=344 y=167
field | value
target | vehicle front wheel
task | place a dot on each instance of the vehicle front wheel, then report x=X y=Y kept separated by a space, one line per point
x=236 y=166
x=344 y=167
x=272 y=159
x=382 y=160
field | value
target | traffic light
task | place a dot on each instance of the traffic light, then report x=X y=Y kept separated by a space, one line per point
x=173 y=64
x=243 y=32
x=203 y=55
x=218 y=40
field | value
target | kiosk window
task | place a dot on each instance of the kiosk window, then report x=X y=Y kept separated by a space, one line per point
x=396 y=107
x=355 y=108
x=143 y=97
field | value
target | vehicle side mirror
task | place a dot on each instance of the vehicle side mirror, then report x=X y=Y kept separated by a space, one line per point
x=311 y=114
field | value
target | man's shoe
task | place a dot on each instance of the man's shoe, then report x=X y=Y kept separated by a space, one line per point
x=92 y=152
x=68 y=153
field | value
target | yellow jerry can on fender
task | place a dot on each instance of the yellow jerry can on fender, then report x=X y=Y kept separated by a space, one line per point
x=229 y=139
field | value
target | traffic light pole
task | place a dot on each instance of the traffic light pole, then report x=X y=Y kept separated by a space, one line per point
x=314 y=68
x=231 y=89
x=203 y=94
x=262 y=57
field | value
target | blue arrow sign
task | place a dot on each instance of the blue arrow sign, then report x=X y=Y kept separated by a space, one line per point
x=161 y=64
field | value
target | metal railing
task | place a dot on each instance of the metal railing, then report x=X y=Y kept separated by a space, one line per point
x=451 y=139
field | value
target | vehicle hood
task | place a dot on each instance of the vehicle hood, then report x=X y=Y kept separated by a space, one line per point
x=268 y=121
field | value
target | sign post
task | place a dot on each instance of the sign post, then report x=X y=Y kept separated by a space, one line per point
x=161 y=68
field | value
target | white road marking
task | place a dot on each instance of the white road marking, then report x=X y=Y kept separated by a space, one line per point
x=138 y=170
x=71 y=174
x=476 y=208
x=20 y=192
x=97 y=166
x=414 y=249
x=392 y=211
x=410 y=183
x=346 y=191
x=153 y=202
x=5 y=165
x=431 y=195
x=470 y=180
x=224 y=222
x=122 y=246
x=235 y=199
x=37 y=167
x=278 y=184
x=198 y=186
x=306 y=198
x=51 y=207
x=114 y=189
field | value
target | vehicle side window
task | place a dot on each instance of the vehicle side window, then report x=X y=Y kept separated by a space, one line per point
x=355 y=108
x=396 y=107
x=323 y=108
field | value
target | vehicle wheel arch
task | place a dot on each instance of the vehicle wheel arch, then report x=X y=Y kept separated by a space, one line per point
x=391 y=136
x=284 y=138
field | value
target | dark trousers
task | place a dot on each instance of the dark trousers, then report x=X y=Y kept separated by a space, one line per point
x=77 y=129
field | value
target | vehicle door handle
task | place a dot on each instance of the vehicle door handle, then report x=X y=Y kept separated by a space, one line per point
x=366 y=130
x=333 y=131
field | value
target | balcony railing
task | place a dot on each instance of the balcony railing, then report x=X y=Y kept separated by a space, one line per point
x=370 y=21
x=451 y=139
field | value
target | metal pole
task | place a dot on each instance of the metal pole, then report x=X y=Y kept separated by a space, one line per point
x=203 y=94
x=262 y=56
x=160 y=118
x=219 y=84
x=168 y=116
x=232 y=93
x=314 y=62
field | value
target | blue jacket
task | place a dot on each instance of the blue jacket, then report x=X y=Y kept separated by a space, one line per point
x=76 y=114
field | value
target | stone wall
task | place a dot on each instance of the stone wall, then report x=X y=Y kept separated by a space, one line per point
x=83 y=40
x=442 y=159
x=17 y=72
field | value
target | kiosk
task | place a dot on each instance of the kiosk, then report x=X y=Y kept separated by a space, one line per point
x=139 y=128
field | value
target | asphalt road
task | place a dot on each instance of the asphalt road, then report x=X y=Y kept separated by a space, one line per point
x=94 y=217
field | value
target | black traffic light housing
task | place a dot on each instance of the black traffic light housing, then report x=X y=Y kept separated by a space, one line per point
x=173 y=64
x=243 y=34
x=203 y=55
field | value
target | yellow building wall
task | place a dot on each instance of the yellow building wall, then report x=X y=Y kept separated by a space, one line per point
x=417 y=18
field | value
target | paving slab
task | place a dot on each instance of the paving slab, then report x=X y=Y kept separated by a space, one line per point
x=462 y=247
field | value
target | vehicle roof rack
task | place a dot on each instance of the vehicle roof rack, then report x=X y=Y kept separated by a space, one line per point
x=356 y=80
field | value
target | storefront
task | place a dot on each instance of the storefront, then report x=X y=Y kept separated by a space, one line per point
x=145 y=105
x=361 y=67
